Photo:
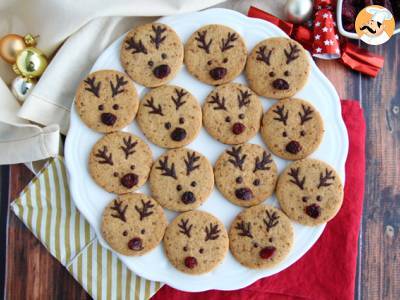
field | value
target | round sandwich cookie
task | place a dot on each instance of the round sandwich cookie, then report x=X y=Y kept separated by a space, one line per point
x=152 y=54
x=196 y=242
x=133 y=224
x=215 y=54
x=181 y=179
x=245 y=174
x=277 y=68
x=120 y=162
x=169 y=116
x=310 y=192
x=292 y=129
x=106 y=101
x=261 y=237
x=232 y=113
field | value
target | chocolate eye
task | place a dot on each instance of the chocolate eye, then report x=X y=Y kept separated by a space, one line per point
x=302 y=133
x=304 y=199
x=132 y=167
x=225 y=60
x=163 y=55
x=167 y=125
x=270 y=240
x=286 y=73
x=241 y=116
x=185 y=249
x=284 y=134
x=256 y=182
x=115 y=174
x=150 y=63
x=115 y=106
x=255 y=245
x=319 y=198
x=209 y=62
x=193 y=184
x=125 y=233
x=178 y=187
x=239 y=179
x=142 y=231
x=101 y=107
x=271 y=74
x=181 y=120
x=227 y=119
x=201 y=250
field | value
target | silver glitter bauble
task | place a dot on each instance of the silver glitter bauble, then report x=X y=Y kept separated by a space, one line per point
x=21 y=87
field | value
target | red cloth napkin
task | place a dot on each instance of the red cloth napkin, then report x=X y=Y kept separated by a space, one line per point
x=327 y=270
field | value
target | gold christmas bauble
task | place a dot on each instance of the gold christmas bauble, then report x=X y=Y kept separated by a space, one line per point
x=10 y=46
x=30 y=63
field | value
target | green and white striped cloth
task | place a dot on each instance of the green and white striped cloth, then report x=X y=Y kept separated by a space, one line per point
x=46 y=208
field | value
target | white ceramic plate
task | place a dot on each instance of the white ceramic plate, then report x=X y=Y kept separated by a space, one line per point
x=230 y=275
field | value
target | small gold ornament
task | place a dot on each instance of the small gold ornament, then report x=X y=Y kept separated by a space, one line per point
x=30 y=63
x=21 y=87
x=10 y=46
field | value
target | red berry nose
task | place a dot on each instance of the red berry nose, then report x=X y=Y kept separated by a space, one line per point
x=129 y=180
x=188 y=197
x=218 y=73
x=313 y=210
x=108 y=119
x=178 y=134
x=293 y=147
x=280 y=84
x=190 y=262
x=244 y=194
x=161 y=71
x=135 y=244
x=238 y=128
x=267 y=252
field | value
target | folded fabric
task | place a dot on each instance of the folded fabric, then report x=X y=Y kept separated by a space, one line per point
x=327 y=270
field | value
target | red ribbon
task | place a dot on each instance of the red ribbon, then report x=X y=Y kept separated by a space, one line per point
x=352 y=56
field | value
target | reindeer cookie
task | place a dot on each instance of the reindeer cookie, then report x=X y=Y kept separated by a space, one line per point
x=169 y=116
x=277 y=68
x=310 y=192
x=181 y=179
x=133 y=224
x=106 y=101
x=120 y=162
x=261 y=237
x=196 y=242
x=292 y=129
x=232 y=113
x=152 y=54
x=245 y=174
x=215 y=54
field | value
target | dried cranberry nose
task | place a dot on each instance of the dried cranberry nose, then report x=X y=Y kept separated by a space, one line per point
x=244 y=194
x=280 y=84
x=238 y=128
x=188 y=197
x=190 y=262
x=267 y=252
x=218 y=73
x=161 y=71
x=135 y=244
x=108 y=118
x=293 y=147
x=178 y=134
x=129 y=180
x=313 y=211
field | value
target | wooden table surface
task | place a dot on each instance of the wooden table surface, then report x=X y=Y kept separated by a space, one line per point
x=28 y=271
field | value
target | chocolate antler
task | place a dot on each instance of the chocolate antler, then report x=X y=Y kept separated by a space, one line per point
x=282 y=116
x=158 y=38
x=244 y=229
x=184 y=228
x=178 y=99
x=294 y=173
x=136 y=47
x=201 y=38
x=144 y=211
x=190 y=162
x=306 y=116
x=271 y=220
x=118 y=88
x=220 y=103
x=227 y=44
x=243 y=98
x=165 y=170
x=237 y=161
x=107 y=159
x=154 y=110
x=129 y=146
x=262 y=56
x=120 y=212
x=323 y=179
x=262 y=164
x=292 y=54
x=212 y=232
x=93 y=87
